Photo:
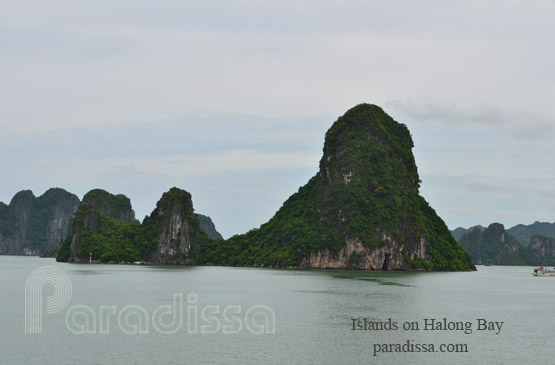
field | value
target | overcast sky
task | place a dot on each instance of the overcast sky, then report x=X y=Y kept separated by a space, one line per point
x=230 y=100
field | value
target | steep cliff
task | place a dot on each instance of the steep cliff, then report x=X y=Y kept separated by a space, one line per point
x=6 y=228
x=176 y=228
x=33 y=226
x=20 y=208
x=493 y=245
x=362 y=210
x=542 y=251
x=102 y=226
x=105 y=226
x=208 y=226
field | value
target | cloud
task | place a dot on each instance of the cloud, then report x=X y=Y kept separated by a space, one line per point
x=547 y=192
x=117 y=61
x=113 y=86
x=188 y=134
x=519 y=124
x=195 y=165
x=481 y=185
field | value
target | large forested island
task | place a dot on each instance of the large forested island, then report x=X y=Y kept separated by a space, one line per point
x=362 y=210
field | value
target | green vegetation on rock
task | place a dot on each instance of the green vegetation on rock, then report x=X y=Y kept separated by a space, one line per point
x=171 y=234
x=108 y=239
x=114 y=206
x=366 y=196
x=523 y=233
x=460 y=231
x=498 y=246
x=493 y=244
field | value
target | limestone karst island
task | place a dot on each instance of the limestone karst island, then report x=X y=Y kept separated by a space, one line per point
x=362 y=210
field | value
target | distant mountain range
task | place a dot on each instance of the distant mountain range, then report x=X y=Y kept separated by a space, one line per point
x=460 y=231
x=524 y=233
x=498 y=246
x=521 y=232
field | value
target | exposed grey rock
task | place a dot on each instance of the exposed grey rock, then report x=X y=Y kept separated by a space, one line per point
x=179 y=235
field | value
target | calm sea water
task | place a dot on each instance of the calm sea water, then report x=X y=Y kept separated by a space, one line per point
x=314 y=312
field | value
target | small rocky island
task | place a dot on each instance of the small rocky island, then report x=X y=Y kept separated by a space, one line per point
x=105 y=229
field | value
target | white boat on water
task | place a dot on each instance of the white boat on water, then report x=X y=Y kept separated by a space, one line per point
x=541 y=271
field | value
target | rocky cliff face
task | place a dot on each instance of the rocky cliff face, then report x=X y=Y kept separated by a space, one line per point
x=20 y=209
x=542 y=248
x=180 y=236
x=33 y=226
x=208 y=226
x=87 y=221
x=354 y=256
x=362 y=210
x=6 y=227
